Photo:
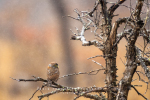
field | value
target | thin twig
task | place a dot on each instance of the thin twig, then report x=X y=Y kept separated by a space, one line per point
x=88 y=73
x=98 y=64
x=38 y=90
x=139 y=92
x=95 y=56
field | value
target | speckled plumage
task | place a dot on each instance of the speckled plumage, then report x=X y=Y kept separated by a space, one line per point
x=52 y=72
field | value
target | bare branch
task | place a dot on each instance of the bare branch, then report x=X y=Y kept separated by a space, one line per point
x=147 y=13
x=116 y=25
x=140 y=79
x=88 y=73
x=95 y=8
x=138 y=92
x=31 y=80
x=54 y=84
x=98 y=64
x=115 y=6
x=138 y=9
x=77 y=91
x=95 y=56
x=104 y=11
x=37 y=90
x=82 y=38
x=95 y=97
x=139 y=58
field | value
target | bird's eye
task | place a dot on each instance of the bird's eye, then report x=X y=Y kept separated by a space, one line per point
x=56 y=65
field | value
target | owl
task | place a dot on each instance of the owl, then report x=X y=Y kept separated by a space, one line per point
x=52 y=72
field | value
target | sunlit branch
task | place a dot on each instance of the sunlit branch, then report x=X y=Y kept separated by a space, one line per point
x=93 y=72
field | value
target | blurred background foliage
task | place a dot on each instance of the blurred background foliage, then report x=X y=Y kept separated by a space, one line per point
x=34 y=33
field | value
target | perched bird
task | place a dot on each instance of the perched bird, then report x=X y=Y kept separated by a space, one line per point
x=52 y=72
